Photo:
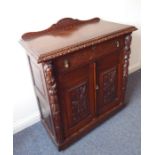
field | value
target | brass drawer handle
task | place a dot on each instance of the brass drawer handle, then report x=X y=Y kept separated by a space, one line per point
x=66 y=63
x=117 y=44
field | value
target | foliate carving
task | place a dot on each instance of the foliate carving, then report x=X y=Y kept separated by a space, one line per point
x=79 y=103
x=53 y=99
x=109 y=88
x=126 y=56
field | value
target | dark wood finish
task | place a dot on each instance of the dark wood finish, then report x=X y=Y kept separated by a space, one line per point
x=79 y=70
x=59 y=28
x=107 y=77
x=77 y=98
x=48 y=46
x=53 y=100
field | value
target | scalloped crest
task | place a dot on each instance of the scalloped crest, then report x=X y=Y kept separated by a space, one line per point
x=61 y=25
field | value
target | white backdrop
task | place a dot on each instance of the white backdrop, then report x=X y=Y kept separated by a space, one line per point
x=37 y=15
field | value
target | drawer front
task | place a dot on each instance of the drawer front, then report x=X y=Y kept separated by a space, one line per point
x=71 y=61
x=88 y=54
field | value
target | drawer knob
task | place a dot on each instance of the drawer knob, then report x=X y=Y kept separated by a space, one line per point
x=66 y=64
x=117 y=43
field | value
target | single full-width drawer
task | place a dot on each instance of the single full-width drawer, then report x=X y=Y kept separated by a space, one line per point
x=88 y=54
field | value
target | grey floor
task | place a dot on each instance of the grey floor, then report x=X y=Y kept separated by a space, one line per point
x=120 y=135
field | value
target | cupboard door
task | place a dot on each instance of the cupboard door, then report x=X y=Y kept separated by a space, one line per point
x=77 y=98
x=108 y=82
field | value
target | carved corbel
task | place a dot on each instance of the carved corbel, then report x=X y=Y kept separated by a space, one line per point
x=53 y=100
x=126 y=56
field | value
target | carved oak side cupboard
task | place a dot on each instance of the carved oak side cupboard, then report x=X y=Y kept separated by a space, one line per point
x=79 y=70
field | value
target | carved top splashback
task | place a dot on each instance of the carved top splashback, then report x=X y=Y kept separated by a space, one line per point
x=69 y=35
x=58 y=28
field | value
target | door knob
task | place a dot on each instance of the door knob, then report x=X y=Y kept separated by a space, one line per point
x=117 y=43
x=97 y=87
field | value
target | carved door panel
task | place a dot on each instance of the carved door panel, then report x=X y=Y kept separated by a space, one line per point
x=77 y=98
x=108 y=82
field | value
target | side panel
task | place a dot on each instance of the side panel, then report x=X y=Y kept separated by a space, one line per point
x=41 y=94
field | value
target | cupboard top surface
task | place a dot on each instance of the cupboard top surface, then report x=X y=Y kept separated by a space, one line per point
x=69 y=35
